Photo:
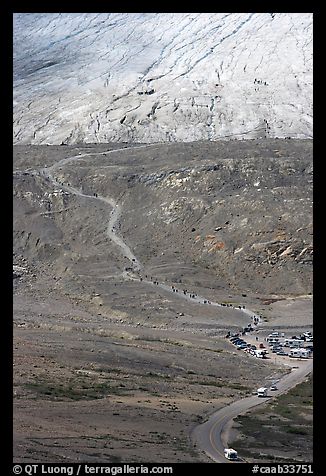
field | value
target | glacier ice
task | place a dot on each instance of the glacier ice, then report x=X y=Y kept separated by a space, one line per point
x=156 y=77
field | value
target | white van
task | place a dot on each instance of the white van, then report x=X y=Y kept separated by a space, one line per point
x=262 y=392
x=231 y=454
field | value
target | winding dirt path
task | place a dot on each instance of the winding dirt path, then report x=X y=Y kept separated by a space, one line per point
x=136 y=266
x=116 y=208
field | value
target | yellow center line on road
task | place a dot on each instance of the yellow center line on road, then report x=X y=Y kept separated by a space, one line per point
x=211 y=436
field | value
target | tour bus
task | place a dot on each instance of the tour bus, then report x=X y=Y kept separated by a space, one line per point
x=301 y=353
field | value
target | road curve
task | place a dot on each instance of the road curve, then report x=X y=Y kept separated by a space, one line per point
x=211 y=436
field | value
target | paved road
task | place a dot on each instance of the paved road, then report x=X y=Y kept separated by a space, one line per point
x=211 y=436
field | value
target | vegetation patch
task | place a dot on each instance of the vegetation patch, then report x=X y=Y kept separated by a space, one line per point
x=284 y=426
x=74 y=390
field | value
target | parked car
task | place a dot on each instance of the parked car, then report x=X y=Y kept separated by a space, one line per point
x=307 y=334
x=281 y=352
x=273 y=387
x=272 y=340
x=274 y=334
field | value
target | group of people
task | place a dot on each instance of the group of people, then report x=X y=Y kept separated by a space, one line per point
x=194 y=295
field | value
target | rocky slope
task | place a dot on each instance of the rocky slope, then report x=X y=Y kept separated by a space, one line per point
x=228 y=215
x=148 y=77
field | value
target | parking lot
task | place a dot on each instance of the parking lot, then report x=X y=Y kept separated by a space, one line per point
x=279 y=346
